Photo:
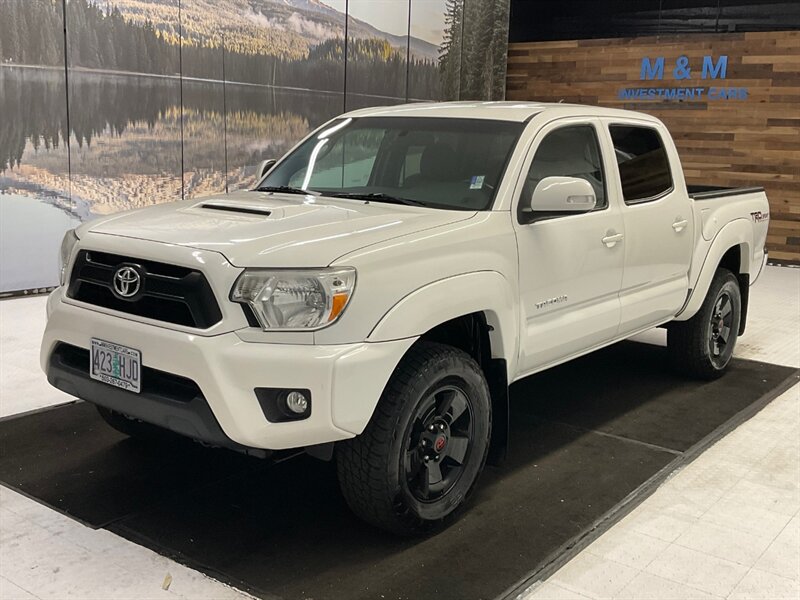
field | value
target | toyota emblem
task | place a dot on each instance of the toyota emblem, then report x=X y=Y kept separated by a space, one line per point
x=127 y=282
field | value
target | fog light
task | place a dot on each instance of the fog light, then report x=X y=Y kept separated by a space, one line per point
x=296 y=402
x=285 y=404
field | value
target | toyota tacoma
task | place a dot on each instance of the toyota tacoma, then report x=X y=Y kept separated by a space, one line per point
x=374 y=295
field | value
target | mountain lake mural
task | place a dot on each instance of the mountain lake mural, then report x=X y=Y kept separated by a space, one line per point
x=110 y=105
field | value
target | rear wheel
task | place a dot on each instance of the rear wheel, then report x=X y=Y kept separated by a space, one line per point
x=419 y=457
x=703 y=345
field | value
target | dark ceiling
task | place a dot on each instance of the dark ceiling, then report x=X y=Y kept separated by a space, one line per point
x=540 y=20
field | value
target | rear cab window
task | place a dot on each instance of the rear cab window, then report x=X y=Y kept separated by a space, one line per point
x=644 y=168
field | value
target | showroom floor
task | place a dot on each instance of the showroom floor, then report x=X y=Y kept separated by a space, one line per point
x=727 y=525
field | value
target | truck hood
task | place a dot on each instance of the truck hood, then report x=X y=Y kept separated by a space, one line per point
x=262 y=229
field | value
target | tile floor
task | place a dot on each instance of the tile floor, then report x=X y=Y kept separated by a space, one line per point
x=726 y=526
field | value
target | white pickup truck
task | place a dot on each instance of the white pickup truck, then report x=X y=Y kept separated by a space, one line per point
x=376 y=293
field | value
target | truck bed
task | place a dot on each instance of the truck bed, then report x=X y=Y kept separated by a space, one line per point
x=709 y=192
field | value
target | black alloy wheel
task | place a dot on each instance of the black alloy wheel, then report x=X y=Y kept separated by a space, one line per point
x=721 y=329
x=438 y=443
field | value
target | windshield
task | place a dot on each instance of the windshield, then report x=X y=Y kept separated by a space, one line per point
x=437 y=162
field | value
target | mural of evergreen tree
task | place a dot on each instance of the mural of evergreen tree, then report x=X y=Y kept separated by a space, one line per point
x=31 y=32
x=485 y=47
x=450 y=51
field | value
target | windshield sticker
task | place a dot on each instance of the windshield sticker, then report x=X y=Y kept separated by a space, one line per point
x=476 y=182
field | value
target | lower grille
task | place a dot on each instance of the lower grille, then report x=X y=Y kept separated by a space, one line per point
x=169 y=293
x=154 y=382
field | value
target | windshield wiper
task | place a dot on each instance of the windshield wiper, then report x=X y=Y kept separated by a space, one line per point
x=378 y=198
x=285 y=189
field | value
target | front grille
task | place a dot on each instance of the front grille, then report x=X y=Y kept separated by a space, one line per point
x=169 y=293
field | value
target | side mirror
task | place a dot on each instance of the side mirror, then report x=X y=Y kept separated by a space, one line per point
x=265 y=166
x=563 y=195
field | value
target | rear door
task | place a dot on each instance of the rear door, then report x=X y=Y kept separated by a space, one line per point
x=658 y=221
x=570 y=267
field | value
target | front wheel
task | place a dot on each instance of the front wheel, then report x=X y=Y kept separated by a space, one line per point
x=703 y=345
x=422 y=452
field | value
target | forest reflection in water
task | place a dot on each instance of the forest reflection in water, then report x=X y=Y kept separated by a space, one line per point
x=133 y=141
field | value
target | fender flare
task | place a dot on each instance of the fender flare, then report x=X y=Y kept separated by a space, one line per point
x=736 y=233
x=440 y=301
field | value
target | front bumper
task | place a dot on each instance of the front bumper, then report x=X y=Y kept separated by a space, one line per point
x=345 y=380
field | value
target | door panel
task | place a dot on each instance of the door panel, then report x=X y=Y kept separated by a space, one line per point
x=570 y=267
x=656 y=278
x=658 y=228
x=569 y=285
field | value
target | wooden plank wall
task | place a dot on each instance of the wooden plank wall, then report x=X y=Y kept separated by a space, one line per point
x=755 y=141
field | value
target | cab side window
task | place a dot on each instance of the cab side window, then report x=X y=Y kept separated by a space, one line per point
x=643 y=164
x=572 y=151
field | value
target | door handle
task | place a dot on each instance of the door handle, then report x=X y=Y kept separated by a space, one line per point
x=679 y=226
x=611 y=240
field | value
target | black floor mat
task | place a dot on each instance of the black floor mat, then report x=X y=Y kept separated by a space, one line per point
x=584 y=436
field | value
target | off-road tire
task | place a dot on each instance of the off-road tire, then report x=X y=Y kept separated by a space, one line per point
x=691 y=344
x=373 y=467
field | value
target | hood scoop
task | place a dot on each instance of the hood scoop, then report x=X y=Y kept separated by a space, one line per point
x=244 y=210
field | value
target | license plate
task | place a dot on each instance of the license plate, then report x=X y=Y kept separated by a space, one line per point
x=116 y=365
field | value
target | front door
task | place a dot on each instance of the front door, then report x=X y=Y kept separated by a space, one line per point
x=570 y=267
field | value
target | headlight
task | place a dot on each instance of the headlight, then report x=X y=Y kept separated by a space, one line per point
x=295 y=299
x=67 y=245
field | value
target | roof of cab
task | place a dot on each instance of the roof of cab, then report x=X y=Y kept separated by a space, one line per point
x=503 y=111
